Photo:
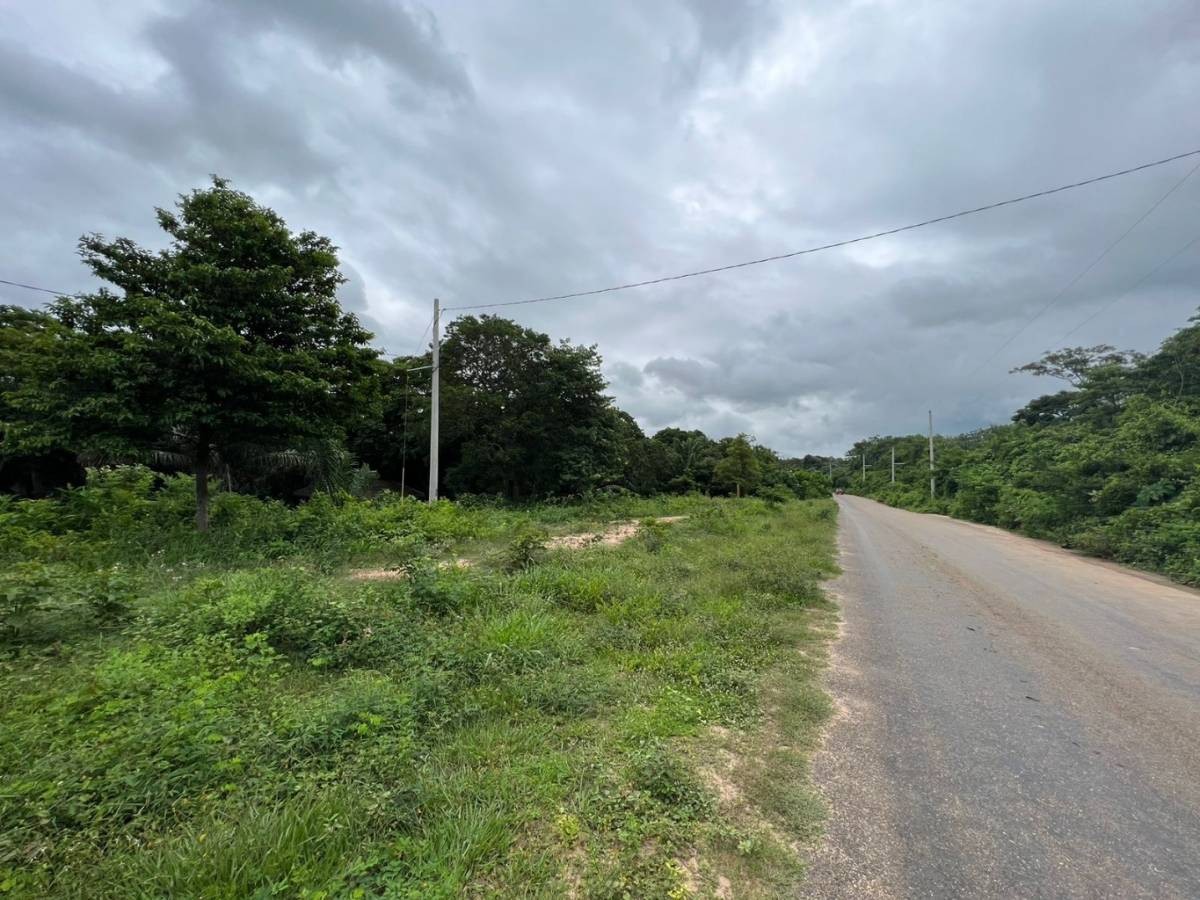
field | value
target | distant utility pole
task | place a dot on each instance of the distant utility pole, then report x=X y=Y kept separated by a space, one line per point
x=893 y=465
x=932 y=485
x=864 y=475
x=436 y=377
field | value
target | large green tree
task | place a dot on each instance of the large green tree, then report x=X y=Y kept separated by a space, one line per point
x=229 y=341
x=522 y=415
x=740 y=467
x=33 y=456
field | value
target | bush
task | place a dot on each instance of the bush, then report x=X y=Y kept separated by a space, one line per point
x=438 y=591
x=775 y=494
x=525 y=549
x=313 y=620
x=652 y=534
x=24 y=589
x=29 y=590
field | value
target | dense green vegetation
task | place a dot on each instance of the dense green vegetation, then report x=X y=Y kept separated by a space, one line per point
x=235 y=713
x=227 y=355
x=237 y=662
x=1109 y=466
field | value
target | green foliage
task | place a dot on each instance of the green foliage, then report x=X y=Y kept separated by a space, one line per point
x=652 y=534
x=231 y=342
x=1108 y=467
x=775 y=494
x=668 y=781
x=252 y=724
x=738 y=468
x=808 y=485
x=526 y=547
x=24 y=589
x=32 y=592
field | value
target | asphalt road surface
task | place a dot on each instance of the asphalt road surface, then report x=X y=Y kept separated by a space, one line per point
x=1014 y=720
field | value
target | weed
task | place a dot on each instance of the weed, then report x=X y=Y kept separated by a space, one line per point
x=525 y=549
x=652 y=534
x=248 y=723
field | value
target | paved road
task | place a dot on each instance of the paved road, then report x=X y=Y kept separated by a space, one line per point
x=1014 y=721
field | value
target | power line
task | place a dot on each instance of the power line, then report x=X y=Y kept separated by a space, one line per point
x=1133 y=287
x=421 y=339
x=33 y=287
x=835 y=244
x=1074 y=281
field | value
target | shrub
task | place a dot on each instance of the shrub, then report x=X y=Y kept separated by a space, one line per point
x=438 y=591
x=652 y=534
x=359 y=706
x=24 y=589
x=28 y=589
x=109 y=593
x=296 y=615
x=775 y=494
x=525 y=549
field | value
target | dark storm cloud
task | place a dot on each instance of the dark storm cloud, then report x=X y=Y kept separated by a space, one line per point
x=486 y=152
x=406 y=38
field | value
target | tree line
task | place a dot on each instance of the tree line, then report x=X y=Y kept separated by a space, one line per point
x=227 y=355
x=1108 y=465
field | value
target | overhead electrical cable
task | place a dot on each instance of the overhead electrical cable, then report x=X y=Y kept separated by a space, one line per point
x=835 y=244
x=33 y=287
x=421 y=339
x=1078 y=277
x=1133 y=287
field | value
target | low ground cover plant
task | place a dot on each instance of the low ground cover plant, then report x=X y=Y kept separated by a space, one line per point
x=235 y=714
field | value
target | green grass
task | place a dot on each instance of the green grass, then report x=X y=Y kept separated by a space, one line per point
x=630 y=721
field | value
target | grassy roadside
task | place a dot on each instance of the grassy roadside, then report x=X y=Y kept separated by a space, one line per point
x=628 y=721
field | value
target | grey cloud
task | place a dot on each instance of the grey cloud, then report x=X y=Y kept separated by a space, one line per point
x=42 y=92
x=622 y=374
x=725 y=35
x=482 y=153
x=352 y=294
x=405 y=37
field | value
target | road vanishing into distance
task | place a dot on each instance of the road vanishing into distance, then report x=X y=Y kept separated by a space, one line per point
x=1013 y=720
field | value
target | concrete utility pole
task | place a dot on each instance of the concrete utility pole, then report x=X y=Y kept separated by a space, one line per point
x=893 y=465
x=436 y=376
x=864 y=475
x=932 y=486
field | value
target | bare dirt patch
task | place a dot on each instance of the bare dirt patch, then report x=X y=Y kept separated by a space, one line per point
x=612 y=536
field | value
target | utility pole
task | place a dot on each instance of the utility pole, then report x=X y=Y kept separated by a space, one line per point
x=932 y=485
x=436 y=377
x=864 y=475
x=893 y=465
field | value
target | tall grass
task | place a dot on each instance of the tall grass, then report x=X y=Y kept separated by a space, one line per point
x=257 y=724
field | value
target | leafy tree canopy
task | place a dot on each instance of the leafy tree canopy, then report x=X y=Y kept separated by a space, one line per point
x=1110 y=466
x=229 y=341
x=739 y=467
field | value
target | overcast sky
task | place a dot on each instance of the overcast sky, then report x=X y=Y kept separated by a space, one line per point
x=491 y=151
